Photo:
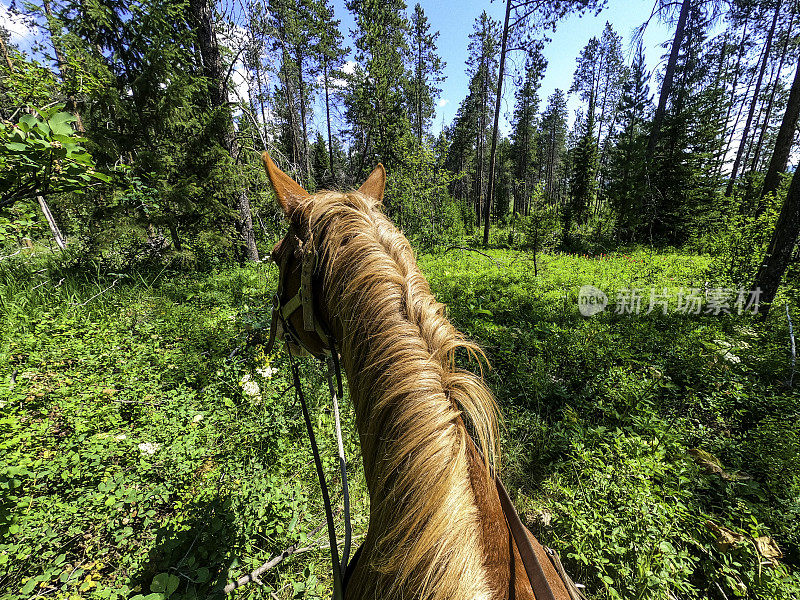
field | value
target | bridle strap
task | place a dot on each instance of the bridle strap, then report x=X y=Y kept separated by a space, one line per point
x=338 y=592
x=541 y=587
x=304 y=300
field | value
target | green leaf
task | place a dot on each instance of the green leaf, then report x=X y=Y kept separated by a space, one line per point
x=28 y=587
x=60 y=123
x=164 y=583
x=16 y=146
x=27 y=122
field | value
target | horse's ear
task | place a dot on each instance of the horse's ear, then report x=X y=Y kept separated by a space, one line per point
x=373 y=186
x=287 y=190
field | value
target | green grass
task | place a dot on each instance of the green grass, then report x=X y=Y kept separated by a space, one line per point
x=140 y=461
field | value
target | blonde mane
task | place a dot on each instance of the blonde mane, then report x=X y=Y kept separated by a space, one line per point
x=413 y=407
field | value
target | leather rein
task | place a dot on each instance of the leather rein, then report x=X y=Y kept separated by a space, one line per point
x=304 y=300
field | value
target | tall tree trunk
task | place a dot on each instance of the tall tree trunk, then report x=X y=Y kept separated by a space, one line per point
x=289 y=95
x=62 y=65
x=779 y=252
x=328 y=118
x=757 y=153
x=214 y=71
x=301 y=89
x=418 y=91
x=734 y=85
x=743 y=143
x=669 y=75
x=261 y=97
x=783 y=143
x=4 y=49
x=493 y=152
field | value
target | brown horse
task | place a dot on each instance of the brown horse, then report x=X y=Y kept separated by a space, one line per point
x=436 y=528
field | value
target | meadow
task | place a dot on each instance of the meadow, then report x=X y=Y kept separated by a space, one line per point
x=152 y=450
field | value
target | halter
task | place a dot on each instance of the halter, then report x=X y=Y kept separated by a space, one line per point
x=304 y=299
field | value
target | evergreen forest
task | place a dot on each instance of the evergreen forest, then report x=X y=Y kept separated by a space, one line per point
x=624 y=248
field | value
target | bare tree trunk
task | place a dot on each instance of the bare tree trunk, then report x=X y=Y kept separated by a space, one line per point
x=783 y=143
x=734 y=85
x=669 y=75
x=328 y=117
x=301 y=89
x=757 y=153
x=740 y=152
x=61 y=242
x=479 y=165
x=779 y=253
x=4 y=48
x=261 y=97
x=213 y=69
x=493 y=152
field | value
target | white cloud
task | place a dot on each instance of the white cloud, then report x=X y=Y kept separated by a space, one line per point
x=348 y=68
x=444 y=102
x=22 y=31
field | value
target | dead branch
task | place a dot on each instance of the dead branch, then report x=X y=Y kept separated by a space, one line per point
x=44 y=282
x=254 y=577
x=96 y=295
x=273 y=562
x=10 y=255
x=499 y=264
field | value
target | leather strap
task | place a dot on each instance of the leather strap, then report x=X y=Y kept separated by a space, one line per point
x=541 y=587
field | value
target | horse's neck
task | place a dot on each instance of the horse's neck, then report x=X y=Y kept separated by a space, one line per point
x=424 y=522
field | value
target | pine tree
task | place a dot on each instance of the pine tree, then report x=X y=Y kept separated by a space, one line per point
x=374 y=100
x=152 y=103
x=552 y=142
x=482 y=66
x=737 y=163
x=525 y=132
x=612 y=75
x=669 y=76
x=529 y=15
x=426 y=72
x=683 y=171
x=330 y=53
x=585 y=164
x=627 y=168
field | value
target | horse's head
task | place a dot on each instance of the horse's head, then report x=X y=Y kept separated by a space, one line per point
x=299 y=262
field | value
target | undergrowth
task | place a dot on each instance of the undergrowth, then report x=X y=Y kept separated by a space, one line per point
x=656 y=452
x=152 y=450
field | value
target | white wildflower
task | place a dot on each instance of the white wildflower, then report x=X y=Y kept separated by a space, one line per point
x=121 y=436
x=197 y=418
x=731 y=358
x=267 y=372
x=149 y=448
x=245 y=378
x=251 y=388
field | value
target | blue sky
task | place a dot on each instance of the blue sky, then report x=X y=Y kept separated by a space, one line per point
x=454 y=21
